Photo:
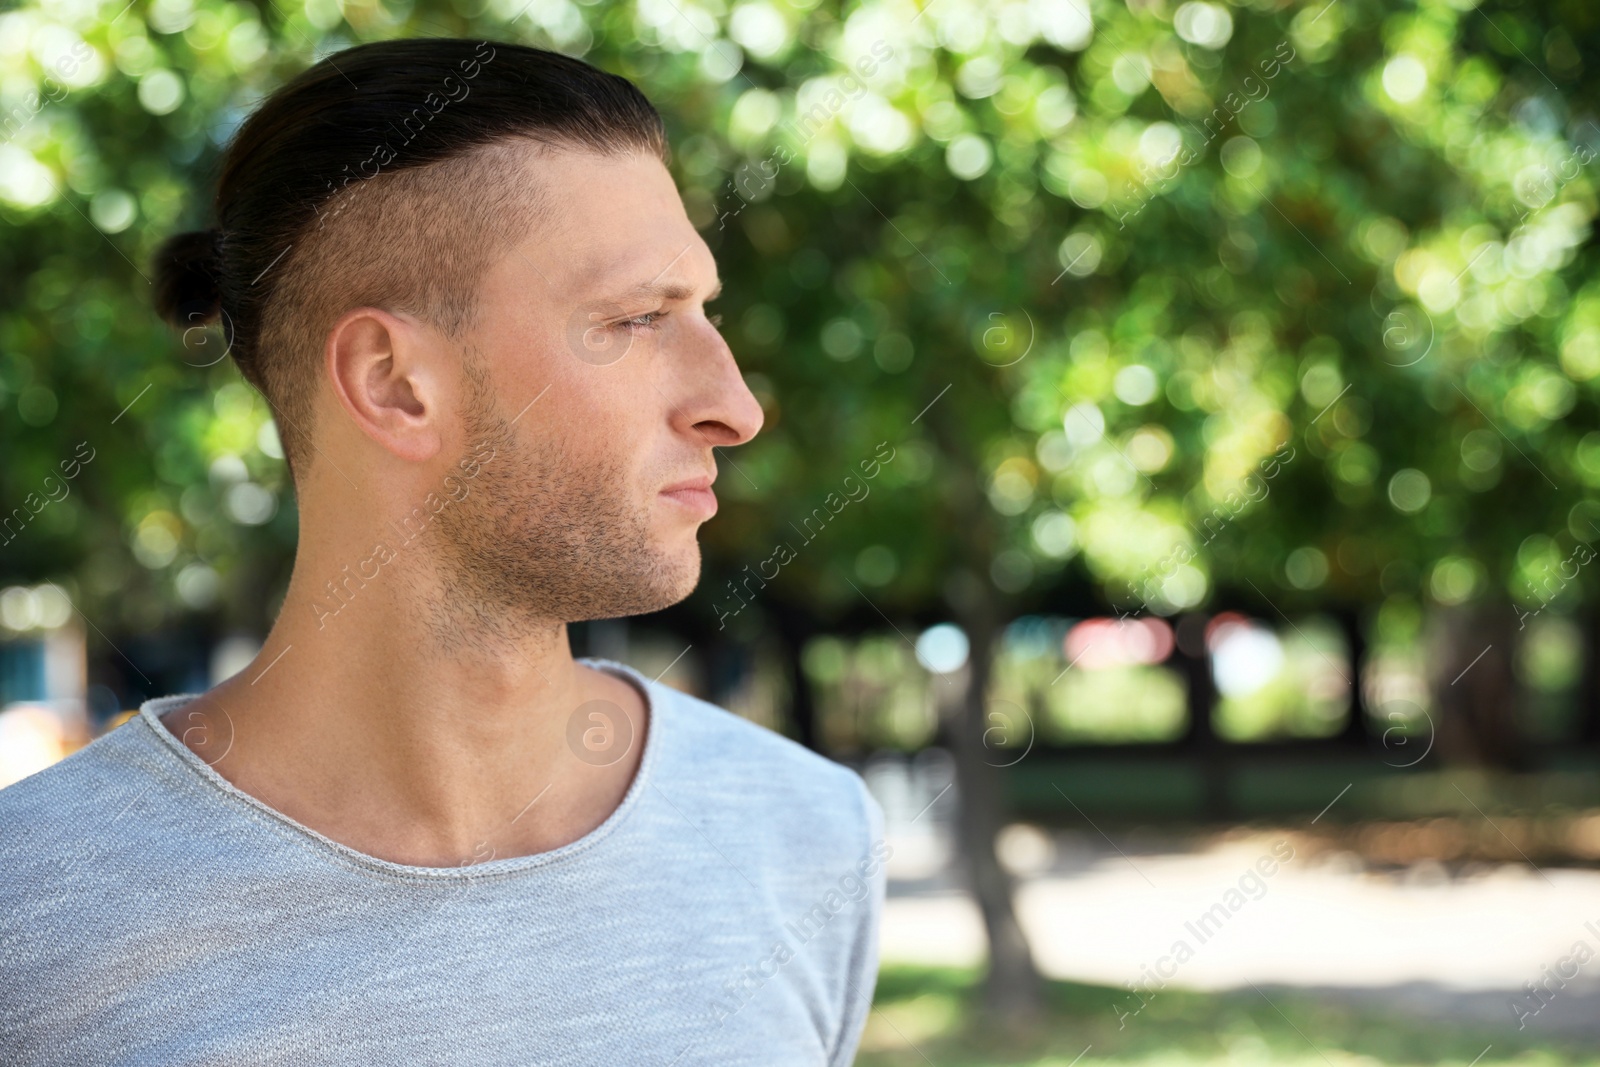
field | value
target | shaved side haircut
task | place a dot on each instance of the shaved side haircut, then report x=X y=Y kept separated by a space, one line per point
x=382 y=178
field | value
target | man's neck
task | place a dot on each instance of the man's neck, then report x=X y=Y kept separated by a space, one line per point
x=376 y=728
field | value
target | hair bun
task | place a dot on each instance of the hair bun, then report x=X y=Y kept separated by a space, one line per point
x=186 y=269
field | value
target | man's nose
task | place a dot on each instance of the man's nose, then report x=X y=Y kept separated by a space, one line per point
x=716 y=404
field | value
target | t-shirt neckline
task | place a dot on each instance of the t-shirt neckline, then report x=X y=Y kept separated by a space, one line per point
x=150 y=713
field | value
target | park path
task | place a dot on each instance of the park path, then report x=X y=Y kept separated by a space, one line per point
x=1420 y=941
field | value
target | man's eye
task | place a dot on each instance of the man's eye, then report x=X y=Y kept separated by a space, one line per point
x=642 y=322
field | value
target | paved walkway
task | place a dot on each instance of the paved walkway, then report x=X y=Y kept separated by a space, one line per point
x=1419 y=942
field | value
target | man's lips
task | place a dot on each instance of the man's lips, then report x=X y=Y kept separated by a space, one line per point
x=694 y=494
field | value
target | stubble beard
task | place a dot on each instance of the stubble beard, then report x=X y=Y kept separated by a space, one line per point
x=543 y=538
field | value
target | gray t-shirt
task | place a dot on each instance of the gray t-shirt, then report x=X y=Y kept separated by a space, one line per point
x=726 y=913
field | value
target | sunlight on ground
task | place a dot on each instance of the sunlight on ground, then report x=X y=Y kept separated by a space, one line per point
x=1349 y=926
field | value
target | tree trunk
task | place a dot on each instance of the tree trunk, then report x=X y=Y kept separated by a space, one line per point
x=1012 y=988
x=1470 y=674
x=1207 y=750
x=802 y=711
x=1589 y=695
x=1357 y=730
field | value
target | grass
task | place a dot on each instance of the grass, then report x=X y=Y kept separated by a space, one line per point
x=931 y=1016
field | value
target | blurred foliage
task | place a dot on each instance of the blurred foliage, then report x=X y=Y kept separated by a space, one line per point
x=1169 y=300
x=1293 y=684
x=871 y=693
x=1039 y=684
x=931 y=1015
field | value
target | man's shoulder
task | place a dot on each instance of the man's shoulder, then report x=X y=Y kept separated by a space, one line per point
x=67 y=791
x=746 y=749
x=78 y=822
x=731 y=760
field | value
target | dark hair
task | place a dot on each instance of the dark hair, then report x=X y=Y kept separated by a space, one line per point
x=374 y=177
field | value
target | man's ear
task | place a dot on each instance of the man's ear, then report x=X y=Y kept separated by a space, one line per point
x=387 y=373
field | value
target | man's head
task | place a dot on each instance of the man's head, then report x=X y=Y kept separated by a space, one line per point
x=432 y=250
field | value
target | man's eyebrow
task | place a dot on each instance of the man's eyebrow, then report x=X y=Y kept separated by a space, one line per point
x=668 y=291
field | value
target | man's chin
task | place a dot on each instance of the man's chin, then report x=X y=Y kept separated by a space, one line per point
x=684 y=575
x=667 y=584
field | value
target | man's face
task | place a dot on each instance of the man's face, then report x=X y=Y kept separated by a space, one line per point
x=602 y=386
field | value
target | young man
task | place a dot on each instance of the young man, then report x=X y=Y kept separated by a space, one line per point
x=415 y=829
